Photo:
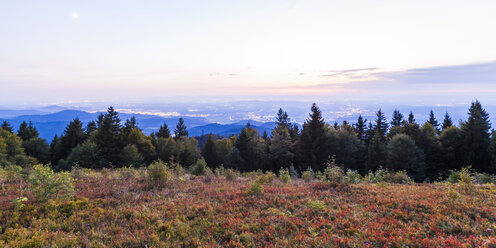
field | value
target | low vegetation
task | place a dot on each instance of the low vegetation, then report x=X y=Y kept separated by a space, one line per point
x=118 y=208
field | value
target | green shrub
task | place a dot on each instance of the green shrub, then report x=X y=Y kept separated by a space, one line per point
x=209 y=176
x=484 y=178
x=333 y=173
x=45 y=184
x=400 y=177
x=231 y=175
x=255 y=188
x=284 y=176
x=293 y=173
x=219 y=171
x=352 y=176
x=159 y=174
x=454 y=176
x=199 y=167
x=268 y=177
x=307 y=176
x=11 y=173
x=466 y=181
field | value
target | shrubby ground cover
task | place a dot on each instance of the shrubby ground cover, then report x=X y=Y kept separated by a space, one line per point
x=130 y=208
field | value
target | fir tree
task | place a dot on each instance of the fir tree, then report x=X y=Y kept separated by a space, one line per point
x=411 y=118
x=397 y=119
x=90 y=127
x=476 y=137
x=447 y=122
x=163 y=131
x=27 y=131
x=108 y=136
x=181 y=130
x=312 y=141
x=72 y=137
x=7 y=127
x=376 y=152
x=209 y=152
x=433 y=121
x=280 y=149
x=360 y=128
x=282 y=119
x=381 y=124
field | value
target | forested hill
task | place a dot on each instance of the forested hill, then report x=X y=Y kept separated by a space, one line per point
x=50 y=124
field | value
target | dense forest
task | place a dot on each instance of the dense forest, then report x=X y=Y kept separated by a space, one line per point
x=427 y=152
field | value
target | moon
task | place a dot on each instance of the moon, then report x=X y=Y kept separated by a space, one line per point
x=75 y=15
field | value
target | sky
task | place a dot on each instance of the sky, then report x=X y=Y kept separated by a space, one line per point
x=407 y=51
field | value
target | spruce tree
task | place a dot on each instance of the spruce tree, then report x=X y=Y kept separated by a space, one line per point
x=7 y=127
x=280 y=149
x=360 y=128
x=411 y=118
x=209 y=152
x=397 y=119
x=376 y=152
x=447 y=122
x=252 y=149
x=90 y=128
x=311 y=145
x=163 y=131
x=476 y=137
x=433 y=121
x=108 y=135
x=381 y=124
x=282 y=119
x=73 y=136
x=181 y=130
x=27 y=131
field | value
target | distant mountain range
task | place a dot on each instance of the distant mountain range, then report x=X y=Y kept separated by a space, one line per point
x=55 y=123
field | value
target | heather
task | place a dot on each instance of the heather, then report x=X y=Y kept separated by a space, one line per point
x=157 y=207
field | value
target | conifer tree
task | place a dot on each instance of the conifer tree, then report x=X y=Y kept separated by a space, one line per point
x=282 y=119
x=108 y=135
x=376 y=152
x=209 y=152
x=360 y=128
x=447 y=122
x=27 y=131
x=163 y=131
x=433 y=121
x=476 y=137
x=280 y=149
x=397 y=119
x=181 y=130
x=312 y=141
x=411 y=118
x=73 y=136
x=7 y=127
x=90 y=128
x=381 y=124
x=252 y=148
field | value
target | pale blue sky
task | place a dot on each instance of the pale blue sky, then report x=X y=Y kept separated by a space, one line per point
x=55 y=51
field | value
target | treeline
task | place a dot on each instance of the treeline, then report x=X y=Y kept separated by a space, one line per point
x=425 y=151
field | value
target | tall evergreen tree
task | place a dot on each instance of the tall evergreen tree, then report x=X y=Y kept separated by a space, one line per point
x=252 y=149
x=27 y=131
x=163 y=131
x=411 y=118
x=433 y=121
x=282 y=119
x=73 y=136
x=311 y=145
x=181 y=130
x=476 y=137
x=452 y=149
x=397 y=119
x=447 y=122
x=108 y=136
x=376 y=152
x=7 y=127
x=209 y=152
x=381 y=124
x=280 y=149
x=361 y=128
x=90 y=128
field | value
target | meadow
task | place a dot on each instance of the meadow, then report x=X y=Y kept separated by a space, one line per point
x=162 y=206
